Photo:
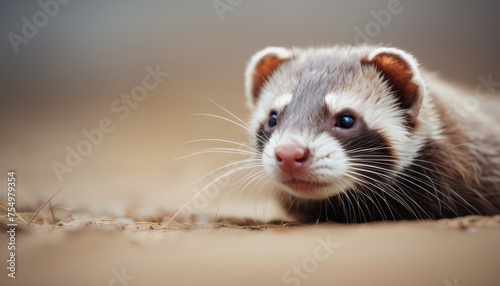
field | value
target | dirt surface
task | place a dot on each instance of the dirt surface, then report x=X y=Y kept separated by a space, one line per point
x=464 y=251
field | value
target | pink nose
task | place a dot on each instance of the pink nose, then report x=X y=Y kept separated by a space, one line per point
x=291 y=157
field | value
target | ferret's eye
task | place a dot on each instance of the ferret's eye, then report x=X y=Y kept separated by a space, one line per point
x=272 y=119
x=345 y=121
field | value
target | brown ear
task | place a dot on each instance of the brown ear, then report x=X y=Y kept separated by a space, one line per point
x=400 y=70
x=260 y=68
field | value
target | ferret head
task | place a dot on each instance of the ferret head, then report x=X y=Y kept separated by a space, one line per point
x=326 y=121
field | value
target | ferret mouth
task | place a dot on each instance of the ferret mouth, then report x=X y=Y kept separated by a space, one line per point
x=303 y=186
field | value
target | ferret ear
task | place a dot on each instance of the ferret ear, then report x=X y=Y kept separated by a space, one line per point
x=400 y=69
x=260 y=68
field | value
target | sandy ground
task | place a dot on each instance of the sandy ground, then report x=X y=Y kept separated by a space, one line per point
x=463 y=251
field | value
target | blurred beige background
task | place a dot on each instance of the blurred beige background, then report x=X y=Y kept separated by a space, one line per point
x=66 y=76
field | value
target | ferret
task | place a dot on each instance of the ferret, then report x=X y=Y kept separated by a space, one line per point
x=362 y=133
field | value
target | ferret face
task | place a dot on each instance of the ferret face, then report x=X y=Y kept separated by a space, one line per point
x=331 y=120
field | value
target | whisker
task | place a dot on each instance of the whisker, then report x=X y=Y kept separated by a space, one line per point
x=391 y=195
x=245 y=127
x=228 y=112
x=222 y=141
x=431 y=183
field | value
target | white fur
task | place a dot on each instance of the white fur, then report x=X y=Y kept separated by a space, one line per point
x=282 y=101
x=328 y=163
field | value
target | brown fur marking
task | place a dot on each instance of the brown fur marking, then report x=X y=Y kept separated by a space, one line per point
x=262 y=72
x=397 y=72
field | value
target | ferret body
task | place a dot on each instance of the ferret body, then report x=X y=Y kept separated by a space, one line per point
x=358 y=134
